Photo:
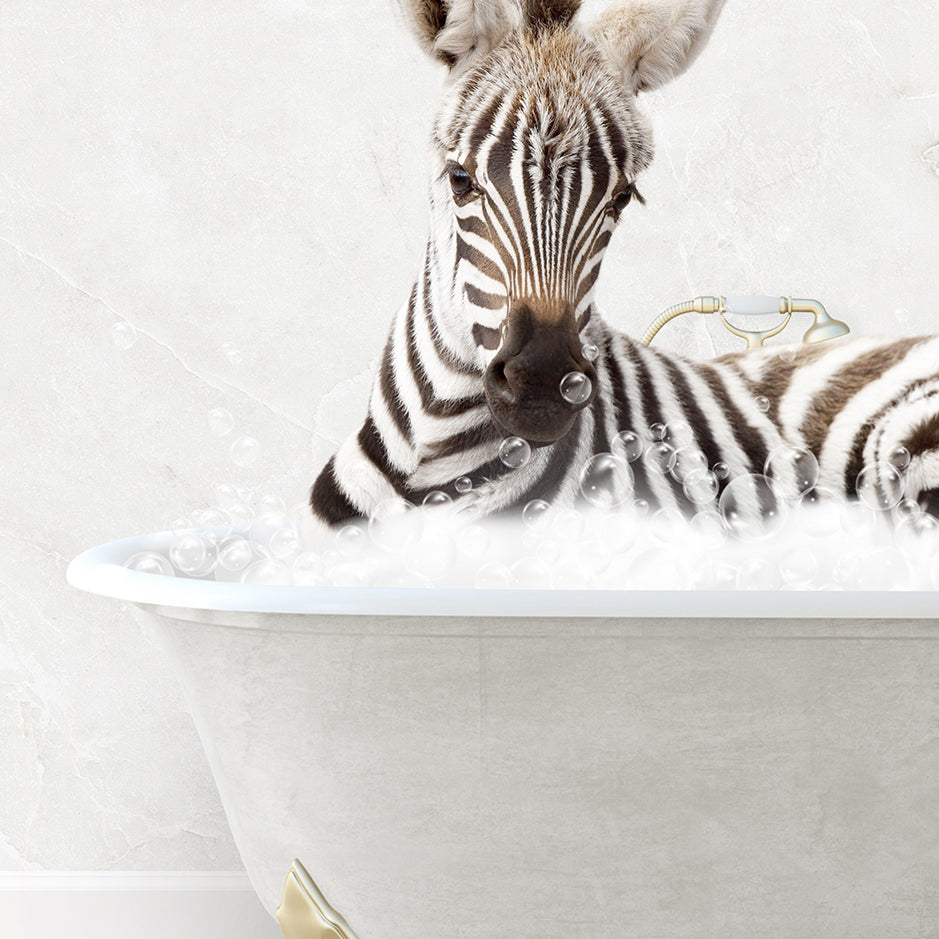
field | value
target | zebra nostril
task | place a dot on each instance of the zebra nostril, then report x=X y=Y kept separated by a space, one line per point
x=499 y=382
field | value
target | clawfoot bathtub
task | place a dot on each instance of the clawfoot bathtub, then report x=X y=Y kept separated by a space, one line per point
x=548 y=764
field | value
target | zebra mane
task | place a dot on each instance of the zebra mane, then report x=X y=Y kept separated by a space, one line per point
x=456 y=30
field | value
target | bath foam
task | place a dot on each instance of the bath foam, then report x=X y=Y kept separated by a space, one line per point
x=816 y=544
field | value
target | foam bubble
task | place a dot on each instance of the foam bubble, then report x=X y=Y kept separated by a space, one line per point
x=514 y=452
x=266 y=571
x=123 y=335
x=535 y=513
x=606 y=481
x=880 y=486
x=220 y=421
x=576 y=387
x=752 y=507
x=150 y=562
x=900 y=458
x=628 y=445
x=792 y=467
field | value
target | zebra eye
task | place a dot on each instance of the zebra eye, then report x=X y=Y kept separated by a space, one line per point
x=460 y=181
x=624 y=197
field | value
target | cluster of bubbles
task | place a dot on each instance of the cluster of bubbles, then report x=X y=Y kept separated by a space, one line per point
x=778 y=529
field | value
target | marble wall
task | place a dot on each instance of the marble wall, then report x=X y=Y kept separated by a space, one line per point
x=242 y=184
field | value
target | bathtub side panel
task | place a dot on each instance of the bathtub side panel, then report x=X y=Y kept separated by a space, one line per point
x=472 y=786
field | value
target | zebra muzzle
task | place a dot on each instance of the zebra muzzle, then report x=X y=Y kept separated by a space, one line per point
x=523 y=381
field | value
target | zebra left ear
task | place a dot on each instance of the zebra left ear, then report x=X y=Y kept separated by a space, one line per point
x=458 y=31
x=652 y=41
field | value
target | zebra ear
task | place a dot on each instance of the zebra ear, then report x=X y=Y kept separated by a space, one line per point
x=652 y=41
x=456 y=31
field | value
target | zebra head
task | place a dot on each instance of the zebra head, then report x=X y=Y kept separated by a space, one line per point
x=537 y=146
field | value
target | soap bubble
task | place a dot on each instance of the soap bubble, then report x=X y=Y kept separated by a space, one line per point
x=149 y=562
x=721 y=470
x=514 y=452
x=576 y=387
x=666 y=523
x=820 y=512
x=463 y=485
x=226 y=496
x=245 y=451
x=241 y=514
x=567 y=525
x=915 y=532
x=235 y=554
x=436 y=553
x=348 y=575
x=788 y=353
x=220 y=422
x=752 y=506
x=708 y=528
x=757 y=573
x=404 y=580
x=679 y=434
x=687 y=460
x=191 y=554
x=659 y=458
x=700 y=486
x=531 y=573
x=799 y=567
x=628 y=445
x=231 y=352
x=590 y=351
x=792 y=466
x=123 y=335
x=640 y=506
x=606 y=481
x=286 y=543
x=351 y=540
x=263 y=529
x=269 y=502
x=657 y=431
x=218 y=520
x=592 y=559
x=907 y=507
x=900 y=457
x=266 y=571
x=394 y=525
x=308 y=570
x=761 y=403
x=857 y=520
x=474 y=542
x=436 y=498
x=880 y=486
x=493 y=576
x=535 y=513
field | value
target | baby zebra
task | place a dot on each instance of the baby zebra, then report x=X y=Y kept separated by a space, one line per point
x=537 y=145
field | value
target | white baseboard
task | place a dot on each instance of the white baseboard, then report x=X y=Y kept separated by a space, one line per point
x=138 y=904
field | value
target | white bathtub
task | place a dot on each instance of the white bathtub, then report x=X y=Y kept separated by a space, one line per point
x=558 y=764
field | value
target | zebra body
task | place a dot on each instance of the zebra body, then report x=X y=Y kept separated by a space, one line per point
x=538 y=143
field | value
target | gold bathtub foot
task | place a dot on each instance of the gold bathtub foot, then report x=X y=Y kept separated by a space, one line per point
x=304 y=913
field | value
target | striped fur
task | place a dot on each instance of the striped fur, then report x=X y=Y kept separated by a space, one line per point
x=537 y=146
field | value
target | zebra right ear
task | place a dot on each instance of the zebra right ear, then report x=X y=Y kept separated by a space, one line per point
x=650 y=42
x=459 y=31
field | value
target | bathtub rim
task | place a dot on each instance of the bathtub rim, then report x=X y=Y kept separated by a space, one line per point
x=100 y=571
